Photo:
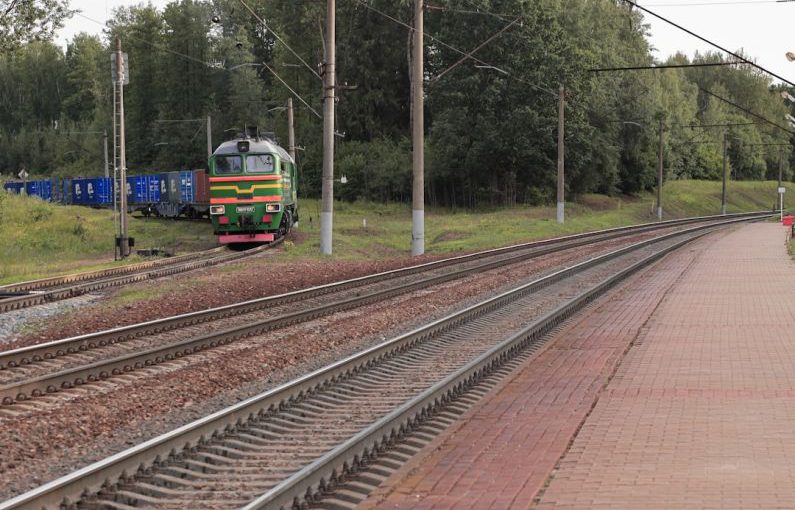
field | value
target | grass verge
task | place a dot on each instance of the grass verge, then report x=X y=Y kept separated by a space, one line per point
x=39 y=239
x=373 y=231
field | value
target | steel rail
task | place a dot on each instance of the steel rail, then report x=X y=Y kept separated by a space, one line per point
x=48 y=350
x=102 y=273
x=54 y=281
x=189 y=263
x=319 y=477
x=90 y=479
x=32 y=285
x=104 y=369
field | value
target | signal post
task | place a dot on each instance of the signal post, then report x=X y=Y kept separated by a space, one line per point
x=124 y=238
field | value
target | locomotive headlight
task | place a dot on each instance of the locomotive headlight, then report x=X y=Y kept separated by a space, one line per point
x=273 y=207
x=217 y=209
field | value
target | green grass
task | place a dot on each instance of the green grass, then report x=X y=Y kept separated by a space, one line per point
x=388 y=232
x=39 y=239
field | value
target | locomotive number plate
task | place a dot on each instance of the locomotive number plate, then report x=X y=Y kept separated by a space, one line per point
x=244 y=208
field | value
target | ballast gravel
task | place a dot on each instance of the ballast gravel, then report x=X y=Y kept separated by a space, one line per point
x=43 y=445
x=13 y=324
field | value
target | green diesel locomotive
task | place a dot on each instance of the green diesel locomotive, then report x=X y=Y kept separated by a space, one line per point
x=253 y=191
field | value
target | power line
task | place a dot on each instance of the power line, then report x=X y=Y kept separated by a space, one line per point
x=199 y=61
x=762 y=144
x=731 y=124
x=707 y=4
x=667 y=66
x=453 y=48
x=148 y=43
x=10 y=8
x=469 y=55
x=746 y=110
x=480 y=12
x=291 y=90
x=280 y=39
x=745 y=60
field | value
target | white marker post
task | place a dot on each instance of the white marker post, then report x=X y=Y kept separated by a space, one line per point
x=781 y=190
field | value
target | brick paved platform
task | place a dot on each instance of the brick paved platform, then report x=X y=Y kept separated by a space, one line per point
x=683 y=384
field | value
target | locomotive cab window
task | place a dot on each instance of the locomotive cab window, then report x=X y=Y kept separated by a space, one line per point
x=228 y=165
x=260 y=164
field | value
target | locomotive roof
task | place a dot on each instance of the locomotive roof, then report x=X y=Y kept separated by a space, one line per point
x=256 y=146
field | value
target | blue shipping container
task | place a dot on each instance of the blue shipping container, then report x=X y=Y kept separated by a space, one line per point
x=153 y=184
x=41 y=189
x=78 y=191
x=14 y=187
x=162 y=182
x=66 y=191
x=138 y=189
x=104 y=190
x=92 y=191
x=32 y=188
x=187 y=187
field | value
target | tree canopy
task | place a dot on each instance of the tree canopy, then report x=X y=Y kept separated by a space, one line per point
x=22 y=21
x=491 y=116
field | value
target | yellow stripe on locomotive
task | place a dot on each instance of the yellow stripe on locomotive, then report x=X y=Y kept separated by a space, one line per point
x=252 y=191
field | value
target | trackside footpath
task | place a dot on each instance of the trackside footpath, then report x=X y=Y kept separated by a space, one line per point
x=675 y=391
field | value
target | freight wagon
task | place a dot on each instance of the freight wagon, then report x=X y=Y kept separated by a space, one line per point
x=171 y=194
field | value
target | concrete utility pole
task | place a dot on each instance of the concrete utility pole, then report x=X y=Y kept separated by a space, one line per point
x=723 y=189
x=561 y=154
x=660 y=174
x=327 y=185
x=209 y=137
x=125 y=244
x=778 y=189
x=105 y=144
x=290 y=129
x=115 y=159
x=418 y=135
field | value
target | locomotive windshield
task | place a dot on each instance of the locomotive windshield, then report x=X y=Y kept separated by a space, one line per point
x=228 y=165
x=259 y=164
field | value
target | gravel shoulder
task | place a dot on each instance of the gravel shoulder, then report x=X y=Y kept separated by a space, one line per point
x=255 y=277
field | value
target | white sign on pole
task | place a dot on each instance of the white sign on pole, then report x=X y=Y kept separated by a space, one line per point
x=22 y=174
x=782 y=189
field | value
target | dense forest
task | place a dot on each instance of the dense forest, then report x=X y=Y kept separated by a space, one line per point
x=491 y=123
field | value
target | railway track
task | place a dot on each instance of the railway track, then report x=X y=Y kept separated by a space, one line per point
x=41 y=370
x=344 y=426
x=36 y=292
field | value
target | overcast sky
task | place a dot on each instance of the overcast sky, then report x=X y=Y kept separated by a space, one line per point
x=762 y=28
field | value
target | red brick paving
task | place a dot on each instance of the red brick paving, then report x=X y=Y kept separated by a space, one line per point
x=701 y=413
x=501 y=454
